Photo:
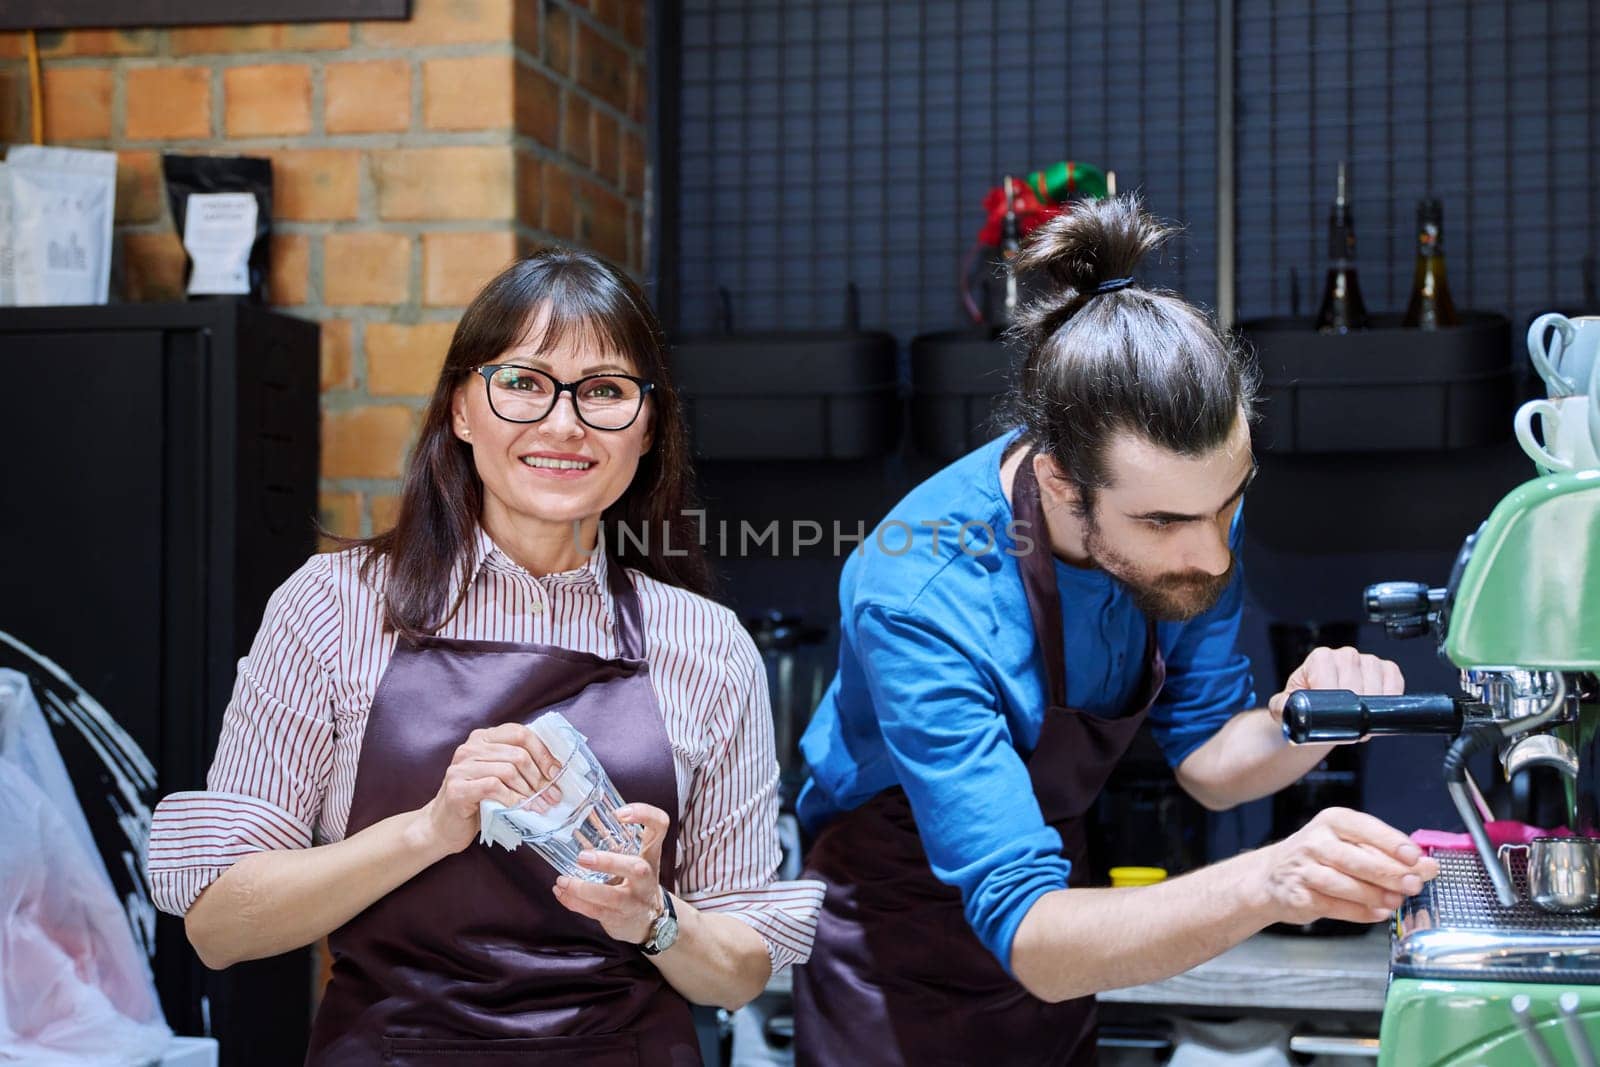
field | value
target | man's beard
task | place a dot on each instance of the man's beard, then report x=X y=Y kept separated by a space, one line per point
x=1165 y=597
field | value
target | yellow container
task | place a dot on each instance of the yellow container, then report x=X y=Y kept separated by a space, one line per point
x=1125 y=877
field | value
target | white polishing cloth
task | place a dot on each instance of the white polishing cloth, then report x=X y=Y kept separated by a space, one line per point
x=506 y=827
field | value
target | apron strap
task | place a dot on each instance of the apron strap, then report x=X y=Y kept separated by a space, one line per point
x=1044 y=595
x=1039 y=581
x=629 y=615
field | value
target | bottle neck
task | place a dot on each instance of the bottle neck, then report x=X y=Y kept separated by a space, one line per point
x=1341 y=237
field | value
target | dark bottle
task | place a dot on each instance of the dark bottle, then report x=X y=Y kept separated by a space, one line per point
x=1010 y=246
x=1431 y=306
x=1342 y=309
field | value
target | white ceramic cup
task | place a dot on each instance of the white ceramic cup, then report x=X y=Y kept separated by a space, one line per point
x=1568 y=443
x=1565 y=359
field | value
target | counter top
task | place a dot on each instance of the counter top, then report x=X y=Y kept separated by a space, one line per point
x=1267 y=972
x=1280 y=971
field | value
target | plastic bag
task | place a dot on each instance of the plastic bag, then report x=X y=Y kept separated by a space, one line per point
x=222 y=206
x=74 y=986
x=62 y=203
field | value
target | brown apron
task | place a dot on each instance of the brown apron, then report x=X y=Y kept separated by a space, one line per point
x=474 y=957
x=897 y=977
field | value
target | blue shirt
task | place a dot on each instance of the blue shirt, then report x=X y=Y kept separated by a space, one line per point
x=941 y=687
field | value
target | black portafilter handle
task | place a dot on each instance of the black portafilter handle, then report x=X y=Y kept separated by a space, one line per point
x=1323 y=715
x=1406 y=609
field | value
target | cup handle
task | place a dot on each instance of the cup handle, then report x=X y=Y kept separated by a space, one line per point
x=1504 y=850
x=1594 y=409
x=1523 y=424
x=1558 y=384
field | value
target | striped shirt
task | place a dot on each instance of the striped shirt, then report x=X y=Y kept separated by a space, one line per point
x=285 y=768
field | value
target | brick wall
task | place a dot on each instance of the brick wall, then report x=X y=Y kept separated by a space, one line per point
x=411 y=161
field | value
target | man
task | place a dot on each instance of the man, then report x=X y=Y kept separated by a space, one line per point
x=983 y=697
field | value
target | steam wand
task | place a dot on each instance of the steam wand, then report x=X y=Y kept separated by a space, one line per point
x=1481 y=737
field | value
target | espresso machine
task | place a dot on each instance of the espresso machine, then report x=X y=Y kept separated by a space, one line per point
x=1496 y=963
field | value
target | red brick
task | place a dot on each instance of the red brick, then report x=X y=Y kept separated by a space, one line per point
x=152 y=266
x=405 y=360
x=77 y=103
x=316 y=184
x=338 y=513
x=265 y=101
x=168 y=103
x=638 y=94
x=600 y=221
x=538 y=106
x=632 y=164
x=608 y=12
x=634 y=22
x=338 y=355
x=456 y=265
x=290 y=281
x=607 y=148
x=367 y=97
x=14 y=45
x=367 y=442
x=54 y=43
x=460 y=182
x=602 y=67
x=530 y=190
x=139 y=187
x=366 y=268
x=14 y=118
x=444 y=22
x=467 y=93
x=558 y=45
x=525 y=26
x=385 y=508
x=279 y=37
x=577 y=132
x=558 y=207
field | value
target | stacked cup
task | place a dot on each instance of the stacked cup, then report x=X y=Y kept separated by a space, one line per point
x=1564 y=352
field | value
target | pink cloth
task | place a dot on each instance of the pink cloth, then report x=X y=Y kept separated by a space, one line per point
x=1501 y=832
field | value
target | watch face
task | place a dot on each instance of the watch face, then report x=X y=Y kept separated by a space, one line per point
x=666 y=933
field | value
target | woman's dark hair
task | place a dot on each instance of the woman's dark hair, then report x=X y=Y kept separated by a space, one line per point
x=1126 y=358
x=442 y=497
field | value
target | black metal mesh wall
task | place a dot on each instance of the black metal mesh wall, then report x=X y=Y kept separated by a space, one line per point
x=1491 y=105
x=824 y=143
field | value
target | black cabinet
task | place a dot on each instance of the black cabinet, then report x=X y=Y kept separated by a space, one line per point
x=159 y=481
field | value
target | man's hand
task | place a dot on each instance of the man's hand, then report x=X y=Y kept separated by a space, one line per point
x=1342 y=865
x=1341 y=668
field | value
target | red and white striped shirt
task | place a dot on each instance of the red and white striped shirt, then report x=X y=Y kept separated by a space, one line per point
x=285 y=768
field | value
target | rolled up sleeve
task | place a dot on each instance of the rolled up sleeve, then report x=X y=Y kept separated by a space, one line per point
x=728 y=844
x=954 y=756
x=270 y=773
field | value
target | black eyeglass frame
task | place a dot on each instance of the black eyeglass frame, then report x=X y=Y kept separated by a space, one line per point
x=488 y=371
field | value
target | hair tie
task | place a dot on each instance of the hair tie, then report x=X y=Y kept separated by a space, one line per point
x=1113 y=284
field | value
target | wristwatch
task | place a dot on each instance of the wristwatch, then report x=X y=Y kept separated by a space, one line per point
x=664 y=931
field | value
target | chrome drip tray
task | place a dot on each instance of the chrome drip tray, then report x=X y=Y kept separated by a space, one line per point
x=1456 y=928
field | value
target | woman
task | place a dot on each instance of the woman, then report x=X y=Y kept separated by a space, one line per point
x=385 y=695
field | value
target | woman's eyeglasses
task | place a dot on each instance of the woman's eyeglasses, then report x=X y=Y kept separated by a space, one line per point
x=602 y=401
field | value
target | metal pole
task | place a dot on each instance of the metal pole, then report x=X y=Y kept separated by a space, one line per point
x=1225 y=200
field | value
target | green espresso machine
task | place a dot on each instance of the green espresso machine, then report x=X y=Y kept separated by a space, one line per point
x=1496 y=963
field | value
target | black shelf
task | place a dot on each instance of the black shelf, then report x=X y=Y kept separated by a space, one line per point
x=1386 y=388
x=959 y=383
x=816 y=395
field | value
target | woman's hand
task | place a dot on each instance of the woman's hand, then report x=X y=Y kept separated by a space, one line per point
x=507 y=763
x=628 y=907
